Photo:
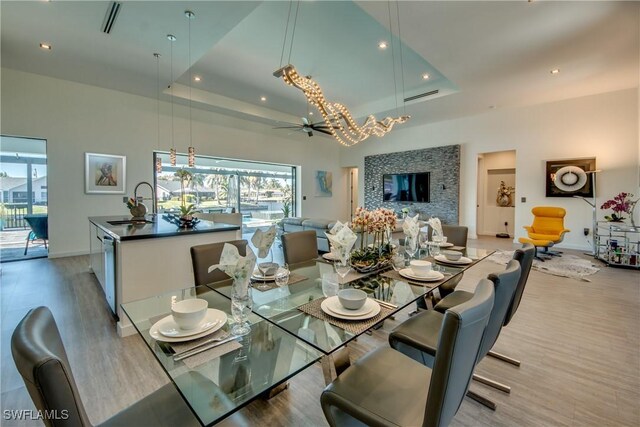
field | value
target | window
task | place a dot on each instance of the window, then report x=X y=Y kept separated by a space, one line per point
x=263 y=193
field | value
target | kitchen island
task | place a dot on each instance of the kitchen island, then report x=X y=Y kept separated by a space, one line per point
x=135 y=260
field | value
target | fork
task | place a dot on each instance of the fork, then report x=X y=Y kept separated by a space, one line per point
x=224 y=336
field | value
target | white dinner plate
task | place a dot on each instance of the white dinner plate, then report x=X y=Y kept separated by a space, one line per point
x=329 y=256
x=443 y=245
x=369 y=315
x=462 y=261
x=257 y=275
x=433 y=276
x=213 y=316
x=334 y=306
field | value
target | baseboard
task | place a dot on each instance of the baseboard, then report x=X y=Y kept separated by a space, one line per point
x=67 y=254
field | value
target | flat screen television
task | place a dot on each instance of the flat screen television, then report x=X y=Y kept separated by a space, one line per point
x=406 y=187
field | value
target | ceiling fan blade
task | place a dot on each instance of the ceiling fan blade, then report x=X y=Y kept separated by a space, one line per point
x=323 y=131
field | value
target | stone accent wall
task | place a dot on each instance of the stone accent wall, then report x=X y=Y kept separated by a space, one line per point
x=442 y=162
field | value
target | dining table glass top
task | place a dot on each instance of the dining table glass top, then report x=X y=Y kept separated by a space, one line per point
x=281 y=305
x=217 y=387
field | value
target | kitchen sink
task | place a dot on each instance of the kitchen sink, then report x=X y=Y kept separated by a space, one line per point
x=129 y=222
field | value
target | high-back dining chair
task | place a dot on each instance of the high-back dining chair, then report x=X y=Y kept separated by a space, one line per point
x=456 y=234
x=417 y=337
x=42 y=362
x=227 y=218
x=299 y=246
x=387 y=388
x=204 y=256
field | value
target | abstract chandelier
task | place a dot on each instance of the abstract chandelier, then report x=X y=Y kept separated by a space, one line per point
x=339 y=120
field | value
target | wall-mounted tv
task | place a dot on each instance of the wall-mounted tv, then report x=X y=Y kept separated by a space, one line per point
x=406 y=187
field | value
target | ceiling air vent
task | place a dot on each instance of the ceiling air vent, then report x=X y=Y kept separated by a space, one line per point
x=110 y=17
x=422 y=95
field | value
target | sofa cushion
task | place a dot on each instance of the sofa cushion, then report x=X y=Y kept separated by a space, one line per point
x=294 y=220
x=322 y=224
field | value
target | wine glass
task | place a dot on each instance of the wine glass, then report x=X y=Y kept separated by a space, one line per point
x=410 y=246
x=342 y=267
x=282 y=278
x=265 y=267
x=397 y=261
x=423 y=240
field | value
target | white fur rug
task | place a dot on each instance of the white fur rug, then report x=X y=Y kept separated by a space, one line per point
x=564 y=266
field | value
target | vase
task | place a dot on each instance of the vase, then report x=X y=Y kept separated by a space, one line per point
x=138 y=211
x=503 y=200
x=241 y=303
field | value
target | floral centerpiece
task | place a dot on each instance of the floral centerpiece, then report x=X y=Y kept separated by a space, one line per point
x=620 y=205
x=375 y=225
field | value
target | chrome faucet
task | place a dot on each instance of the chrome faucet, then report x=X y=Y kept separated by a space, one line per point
x=154 y=208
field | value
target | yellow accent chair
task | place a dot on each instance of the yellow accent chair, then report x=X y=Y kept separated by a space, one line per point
x=547 y=229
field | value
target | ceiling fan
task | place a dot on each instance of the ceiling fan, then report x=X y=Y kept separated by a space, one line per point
x=308 y=127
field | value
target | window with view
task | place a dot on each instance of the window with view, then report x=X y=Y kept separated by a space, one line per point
x=263 y=193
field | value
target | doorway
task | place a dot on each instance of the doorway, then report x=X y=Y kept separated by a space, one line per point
x=496 y=193
x=23 y=198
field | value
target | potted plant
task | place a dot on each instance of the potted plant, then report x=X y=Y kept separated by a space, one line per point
x=376 y=224
x=620 y=205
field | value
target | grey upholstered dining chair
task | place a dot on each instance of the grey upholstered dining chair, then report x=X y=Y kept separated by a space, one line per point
x=42 y=362
x=299 y=246
x=204 y=256
x=525 y=257
x=456 y=234
x=386 y=388
x=417 y=337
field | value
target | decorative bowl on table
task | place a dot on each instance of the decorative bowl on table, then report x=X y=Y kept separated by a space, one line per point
x=189 y=313
x=452 y=255
x=370 y=259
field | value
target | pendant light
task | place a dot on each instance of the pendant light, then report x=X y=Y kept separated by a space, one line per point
x=190 y=151
x=158 y=158
x=172 y=151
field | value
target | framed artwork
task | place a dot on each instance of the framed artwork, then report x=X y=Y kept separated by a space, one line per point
x=104 y=173
x=568 y=178
x=324 y=184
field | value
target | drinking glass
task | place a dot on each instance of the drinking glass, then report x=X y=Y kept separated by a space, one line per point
x=423 y=240
x=330 y=284
x=397 y=261
x=282 y=276
x=241 y=303
x=434 y=249
x=410 y=246
x=342 y=267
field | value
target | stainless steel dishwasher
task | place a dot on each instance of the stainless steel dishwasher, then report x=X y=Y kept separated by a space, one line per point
x=108 y=244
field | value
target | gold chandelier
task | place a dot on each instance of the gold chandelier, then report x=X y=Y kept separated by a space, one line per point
x=337 y=117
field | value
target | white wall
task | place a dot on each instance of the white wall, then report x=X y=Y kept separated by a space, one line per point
x=604 y=126
x=76 y=118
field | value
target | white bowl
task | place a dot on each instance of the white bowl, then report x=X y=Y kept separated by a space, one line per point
x=420 y=268
x=452 y=255
x=352 y=299
x=189 y=313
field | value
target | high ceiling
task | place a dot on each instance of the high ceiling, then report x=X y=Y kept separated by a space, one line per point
x=479 y=55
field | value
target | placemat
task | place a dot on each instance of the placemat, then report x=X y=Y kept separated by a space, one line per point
x=356 y=327
x=268 y=285
x=392 y=274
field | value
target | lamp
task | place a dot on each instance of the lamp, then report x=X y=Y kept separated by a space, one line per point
x=594 y=225
x=338 y=119
x=158 y=158
x=191 y=152
x=172 y=151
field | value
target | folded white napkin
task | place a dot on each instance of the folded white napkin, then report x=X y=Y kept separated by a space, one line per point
x=342 y=242
x=237 y=267
x=337 y=227
x=410 y=226
x=434 y=223
x=263 y=240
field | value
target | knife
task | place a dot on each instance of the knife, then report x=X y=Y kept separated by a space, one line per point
x=201 y=348
x=385 y=304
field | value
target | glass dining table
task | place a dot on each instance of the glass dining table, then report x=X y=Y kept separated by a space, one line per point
x=288 y=333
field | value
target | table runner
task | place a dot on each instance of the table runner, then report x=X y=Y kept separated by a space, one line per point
x=356 y=327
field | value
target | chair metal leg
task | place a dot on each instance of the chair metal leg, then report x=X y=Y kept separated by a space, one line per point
x=482 y=400
x=26 y=247
x=492 y=383
x=504 y=358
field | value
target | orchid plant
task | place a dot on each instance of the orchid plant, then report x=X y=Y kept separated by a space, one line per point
x=378 y=223
x=620 y=204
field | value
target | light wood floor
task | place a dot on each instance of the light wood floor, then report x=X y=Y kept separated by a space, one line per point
x=578 y=342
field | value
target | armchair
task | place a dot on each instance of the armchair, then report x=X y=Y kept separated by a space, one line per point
x=547 y=229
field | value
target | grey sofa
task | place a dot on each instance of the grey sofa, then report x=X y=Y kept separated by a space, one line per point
x=320 y=226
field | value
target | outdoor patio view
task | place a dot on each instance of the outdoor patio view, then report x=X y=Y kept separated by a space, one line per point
x=263 y=193
x=23 y=198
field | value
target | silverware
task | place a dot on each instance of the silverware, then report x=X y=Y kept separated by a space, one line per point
x=201 y=348
x=385 y=304
x=221 y=337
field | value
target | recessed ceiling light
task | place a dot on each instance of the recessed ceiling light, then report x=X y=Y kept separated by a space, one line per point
x=263 y=98
x=425 y=76
x=382 y=45
x=45 y=46
x=197 y=78
x=555 y=71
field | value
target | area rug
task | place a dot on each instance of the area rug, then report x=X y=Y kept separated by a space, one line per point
x=564 y=266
